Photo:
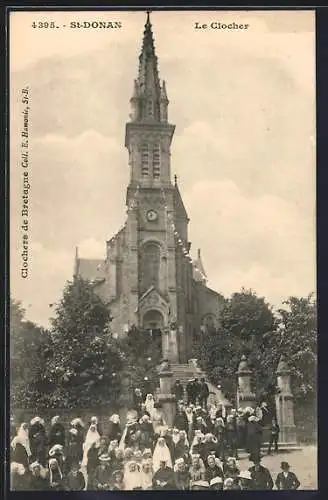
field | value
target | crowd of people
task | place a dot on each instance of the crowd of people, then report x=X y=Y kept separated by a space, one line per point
x=200 y=450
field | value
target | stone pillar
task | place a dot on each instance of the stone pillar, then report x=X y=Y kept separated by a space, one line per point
x=173 y=345
x=245 y=396
x=165 y=396
x=285 y=405
x=170 y=344
x=166 y=343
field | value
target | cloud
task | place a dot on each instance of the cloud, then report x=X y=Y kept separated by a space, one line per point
x=263 y=242
x=49 y=270
x=92 y=249
x=244 y=147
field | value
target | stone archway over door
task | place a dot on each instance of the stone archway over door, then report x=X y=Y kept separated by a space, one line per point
x=153 y=321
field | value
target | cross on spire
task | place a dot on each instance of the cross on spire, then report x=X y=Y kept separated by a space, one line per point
x=148 y=18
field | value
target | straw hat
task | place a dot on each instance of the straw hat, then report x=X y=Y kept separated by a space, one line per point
x=245 y=474
x=216 y=480
x=202 y=484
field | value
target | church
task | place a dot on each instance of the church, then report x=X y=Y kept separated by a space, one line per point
x=147 y=277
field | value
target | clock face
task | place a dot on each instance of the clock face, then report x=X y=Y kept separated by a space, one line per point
x=152 y=215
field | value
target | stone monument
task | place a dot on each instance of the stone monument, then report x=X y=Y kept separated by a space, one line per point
x=285 y=405
x=245 y=396
x=165 y=397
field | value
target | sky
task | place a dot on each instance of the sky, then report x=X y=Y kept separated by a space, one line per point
x=243 y=103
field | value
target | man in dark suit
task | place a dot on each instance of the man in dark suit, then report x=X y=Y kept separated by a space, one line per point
x=178 y=391
x=261 y=477
x=274 y=436
x=203 y=393
x=287 y=480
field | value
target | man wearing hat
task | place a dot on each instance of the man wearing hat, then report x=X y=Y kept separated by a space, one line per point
x=190 y=390
x=261 y=477
x=164 y=477
x=216 y=483
x=287 y=480
x=245 y=480
x=203 y=393
x=102 y=475
x=178 y=390
x=200 y=485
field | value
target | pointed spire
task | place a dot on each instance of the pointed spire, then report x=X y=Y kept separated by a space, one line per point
x=199 y=263
x=135 y=90
x=76 y=262
x=163 y=92
x=148 y=72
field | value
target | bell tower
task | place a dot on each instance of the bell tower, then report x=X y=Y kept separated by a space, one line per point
x=157 y=274
x=148 y=134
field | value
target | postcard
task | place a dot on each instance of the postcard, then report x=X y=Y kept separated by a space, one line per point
x=163 y=317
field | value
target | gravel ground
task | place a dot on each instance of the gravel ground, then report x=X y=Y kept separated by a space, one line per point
x=303 y=463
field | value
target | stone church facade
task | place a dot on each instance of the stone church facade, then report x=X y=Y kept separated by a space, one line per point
x=147 y=276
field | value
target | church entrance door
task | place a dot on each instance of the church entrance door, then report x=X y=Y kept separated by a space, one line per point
x=153 y=323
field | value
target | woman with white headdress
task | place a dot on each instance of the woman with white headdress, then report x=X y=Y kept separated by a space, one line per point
x=197 y=445
x=147 y=432
x=78 y=426
x=18 y=477
x=56 y=481
x=92 y=437
x=190 y=418
x=38 y=480
x=181 y=475
x=73 y=453
x=161 y=454
x=57 y=432
x=147 y=474
x=114 y=427
x=197 y=469
x=158 y=419
x=38 y=440
x=20 y=446
x=131 y=429
x=132 y=476
x=149 y=404
x=57 y=452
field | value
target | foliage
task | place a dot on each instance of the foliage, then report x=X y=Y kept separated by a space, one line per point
x=83 y=369
x=246 y=323
x=77 y=364
x=249 y=326
x=142 y=355
x=28 y=343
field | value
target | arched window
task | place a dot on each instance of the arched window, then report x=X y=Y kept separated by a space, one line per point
x=150 y=108
x=150 y=265
x=144 y=160
x=156 y=161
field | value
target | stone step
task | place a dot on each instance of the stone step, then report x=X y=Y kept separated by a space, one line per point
x=184 y=372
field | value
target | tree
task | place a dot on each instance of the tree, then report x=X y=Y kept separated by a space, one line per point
x=250 y=327
x=298 y=325
x=247 y=321
x=28 y=350
x=84 y=362
x=142 y=355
